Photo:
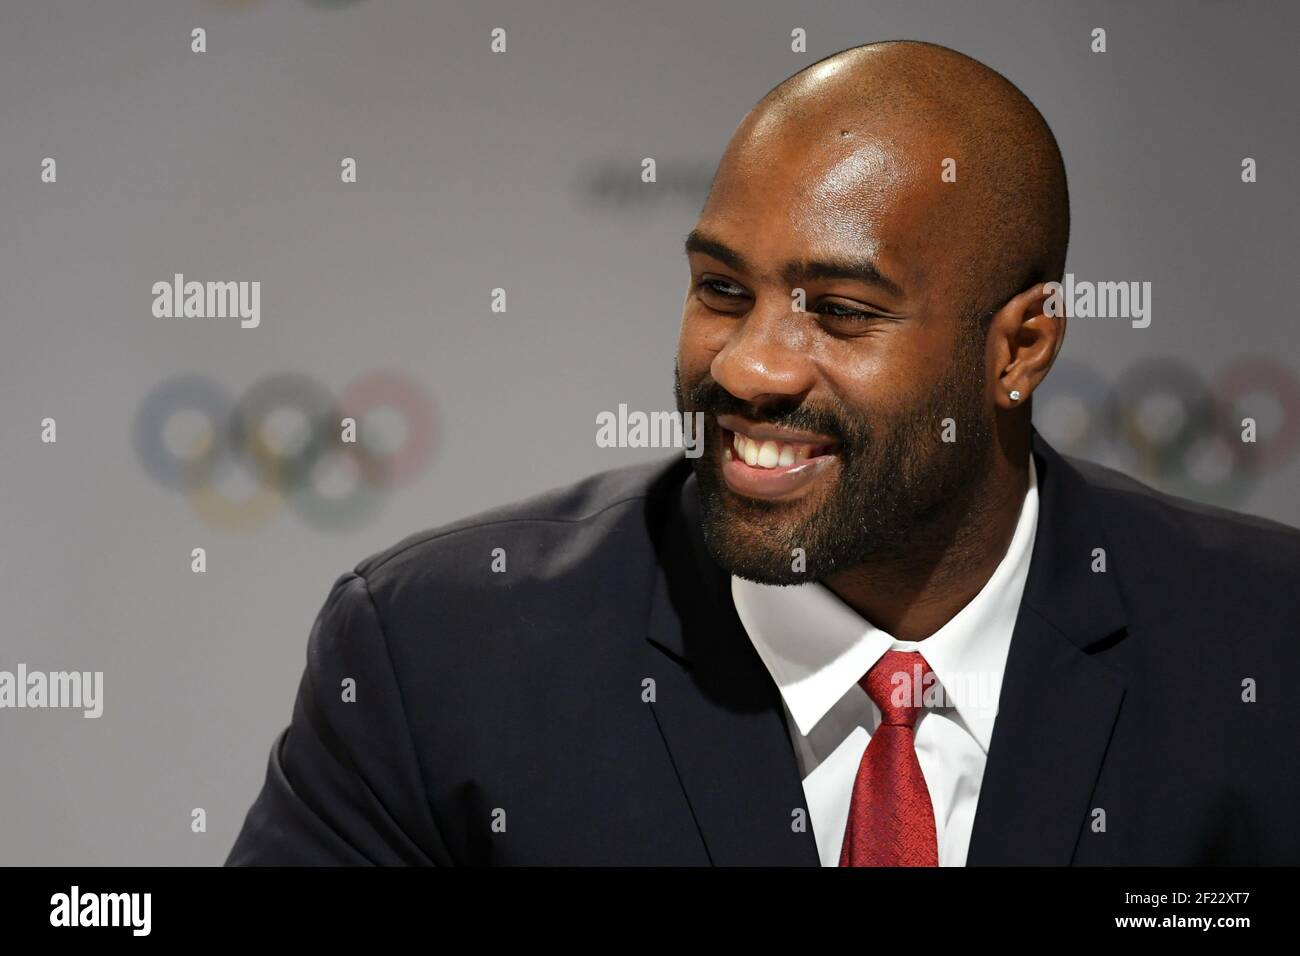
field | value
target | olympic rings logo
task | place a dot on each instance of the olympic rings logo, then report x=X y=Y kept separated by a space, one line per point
x=285 y=462
x=1168 y=426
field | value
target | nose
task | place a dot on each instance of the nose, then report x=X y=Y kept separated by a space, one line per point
x=764 y=357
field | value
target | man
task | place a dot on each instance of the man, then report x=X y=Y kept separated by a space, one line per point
x=880 y=621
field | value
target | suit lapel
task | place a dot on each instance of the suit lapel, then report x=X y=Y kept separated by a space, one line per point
x=1059 y=700
x=719 y=711
x=720 y=714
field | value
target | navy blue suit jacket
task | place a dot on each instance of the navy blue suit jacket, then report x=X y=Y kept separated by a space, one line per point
x=503 y=719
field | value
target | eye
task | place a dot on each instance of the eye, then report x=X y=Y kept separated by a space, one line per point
x=719 y=287
x=842 y=312
x=711 y=290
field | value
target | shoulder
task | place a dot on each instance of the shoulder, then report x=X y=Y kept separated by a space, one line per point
x=536 y=565
x=1204 y=576
x=583 y=513
x=1181 y=530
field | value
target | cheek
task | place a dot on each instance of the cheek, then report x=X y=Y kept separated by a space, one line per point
x=701 y=338
x=871 y=382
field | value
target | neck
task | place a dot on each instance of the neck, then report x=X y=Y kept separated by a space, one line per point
x=948 y=561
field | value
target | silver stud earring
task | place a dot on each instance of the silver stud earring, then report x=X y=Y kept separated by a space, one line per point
x=1015 y=395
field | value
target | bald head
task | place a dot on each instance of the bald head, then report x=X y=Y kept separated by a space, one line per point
x=886 y=117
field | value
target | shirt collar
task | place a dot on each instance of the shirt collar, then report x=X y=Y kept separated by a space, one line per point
x=817 y=648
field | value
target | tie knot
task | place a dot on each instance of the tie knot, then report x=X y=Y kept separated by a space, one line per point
x=897 y=684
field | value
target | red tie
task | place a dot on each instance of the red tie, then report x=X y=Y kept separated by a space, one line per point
x=891 y=819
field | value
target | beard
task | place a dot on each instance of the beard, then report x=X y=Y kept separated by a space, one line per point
x=895 y=481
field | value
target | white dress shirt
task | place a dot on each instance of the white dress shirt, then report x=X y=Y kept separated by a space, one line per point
x=817 y=648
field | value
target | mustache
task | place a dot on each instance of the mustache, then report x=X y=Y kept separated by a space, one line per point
x=706 y=395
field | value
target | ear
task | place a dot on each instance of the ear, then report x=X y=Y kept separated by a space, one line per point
x=1024 y=337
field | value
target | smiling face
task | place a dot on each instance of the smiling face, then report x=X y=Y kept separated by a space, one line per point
x=824 y=427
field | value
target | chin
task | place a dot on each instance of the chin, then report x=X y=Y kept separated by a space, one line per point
x=789 y=580
x=733 y=546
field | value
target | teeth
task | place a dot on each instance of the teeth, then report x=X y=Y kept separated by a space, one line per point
x=768 y=454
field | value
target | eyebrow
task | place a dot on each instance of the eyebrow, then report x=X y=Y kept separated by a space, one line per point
x=858 y=269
